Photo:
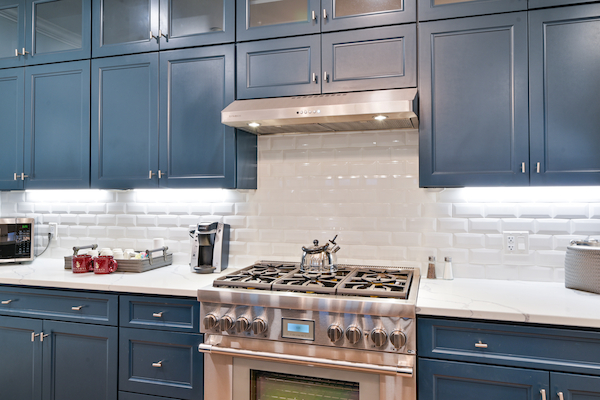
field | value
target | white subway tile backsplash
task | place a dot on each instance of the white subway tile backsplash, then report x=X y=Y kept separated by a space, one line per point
x=145 y=220
x=552 y=226
x=453 y=224
x=586 y=226
x=535 y=210
x=571 y=211
x=550 y=258
x=534 y=273
x=437 y=239
x=68 y=219
x=467 y=210
x=499 y=210
x=517 y=224
x=485 y=225
x=167 y=220
x=24 y=208
x=485 y=256
x=469 y=240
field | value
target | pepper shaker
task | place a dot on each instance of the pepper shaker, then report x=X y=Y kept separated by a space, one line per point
x=431 y=268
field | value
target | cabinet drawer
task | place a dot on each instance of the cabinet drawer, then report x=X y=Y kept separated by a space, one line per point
x=60 y=305
x=557 y=349
x=137 y=396
x=160 y=313
x=161 y=363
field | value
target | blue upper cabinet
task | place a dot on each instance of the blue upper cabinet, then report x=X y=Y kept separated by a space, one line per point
x=442 y=9
x=339 y=15
x=196 y=150
x=259 y=19
x=122 y=27
x=57 y=126
x=377 y=58
x=564 y=120
x=552 y=3
x=279 y=67
x=473 y=121
x=125 y=122
x=11 y=128
x=12 y=32
x=195 y=23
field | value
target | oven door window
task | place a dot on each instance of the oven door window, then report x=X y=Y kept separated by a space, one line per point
x=265 y=385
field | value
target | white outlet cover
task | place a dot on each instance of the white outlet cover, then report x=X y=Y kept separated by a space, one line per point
x=515 y=242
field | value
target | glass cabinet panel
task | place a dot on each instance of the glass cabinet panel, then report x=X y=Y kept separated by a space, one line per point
x=344 y=8
x=126 y=21
x=440 y=2
x=58 y=26
x=271 y=385
x=192 y=17
x=9 y=31
x=269 y=12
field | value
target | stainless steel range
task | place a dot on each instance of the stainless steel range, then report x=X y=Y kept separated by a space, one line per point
x=273 y=330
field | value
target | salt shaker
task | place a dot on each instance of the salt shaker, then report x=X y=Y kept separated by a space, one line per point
x=448 y=268
x=431 y=268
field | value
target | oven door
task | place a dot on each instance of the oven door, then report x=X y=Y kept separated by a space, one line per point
x=251 y=369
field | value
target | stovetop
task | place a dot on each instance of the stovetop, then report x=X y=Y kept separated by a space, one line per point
x=348 y=280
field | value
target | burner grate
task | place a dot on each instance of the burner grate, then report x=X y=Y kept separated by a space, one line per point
x=258 y=276
x=377 y=283
x=312 y=282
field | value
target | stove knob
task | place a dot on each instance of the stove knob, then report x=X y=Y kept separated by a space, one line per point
x=242 y=324
x=259 y=326
x=398 y=339
x=379 y=337
x=226 y=323
x=335 y=332
x=353 y=334
x=210 y=321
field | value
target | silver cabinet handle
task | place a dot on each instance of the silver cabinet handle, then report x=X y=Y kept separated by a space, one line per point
x=76 y=308
x=15 y=176
x=152 y=36
x=160 y=174
x=6 y=301
x=17 y=54
x=561 y=396
x=33 y=335
x=160 y=34
x=157 y=364
x=302 y=360
x=324 y=14
x=481 y=345
x=151 y=174
x=157 y=314
x=314 y=77
x=23 y=176
x=537 y=168
x=325 y=76
x=42 y=336
x=523 y=167
x=543 y=393
x=314 y=15
x=21 y=54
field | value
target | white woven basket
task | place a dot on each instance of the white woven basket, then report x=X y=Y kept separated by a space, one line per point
x=582 y=268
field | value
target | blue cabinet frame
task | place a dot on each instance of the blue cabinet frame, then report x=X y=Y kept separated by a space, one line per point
x=11 y=128
x=13 y=56
x=333 y=22
x=429 y=10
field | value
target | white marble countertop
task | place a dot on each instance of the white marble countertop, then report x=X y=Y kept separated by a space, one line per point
x=516 y=301
x=172 y=280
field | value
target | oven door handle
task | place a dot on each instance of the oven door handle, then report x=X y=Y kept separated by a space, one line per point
x=311 y=361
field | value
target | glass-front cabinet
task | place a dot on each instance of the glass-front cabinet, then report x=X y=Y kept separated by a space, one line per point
x=352 y=14
x=44 y=31
x=443 y=9
x=137 y=26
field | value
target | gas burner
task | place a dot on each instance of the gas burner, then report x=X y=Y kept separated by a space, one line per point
x=258 y=276
x=311 y=282
x=377 y=283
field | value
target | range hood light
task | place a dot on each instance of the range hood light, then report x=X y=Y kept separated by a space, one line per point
x=254 y=124
x=380 y=117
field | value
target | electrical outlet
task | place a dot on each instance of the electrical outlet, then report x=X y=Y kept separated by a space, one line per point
x=53 y=229
x=516 y=242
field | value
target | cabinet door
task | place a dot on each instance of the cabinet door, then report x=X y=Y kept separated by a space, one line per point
x=259 y=19
x=564 y=92
x=122 y=27
x=61 y=30
x=379 y=58
x=575 y=387
x=125 y=122
x=442 y=9
x=80 y=361
x=194 y=23
x=449 y=380
x=352 y=14
x=473 y=121
x=57 y=126
x=196 y=149
x=21 y=366
x=12 y=32
x=11 y=128
x=552 y=3
x=279 y=67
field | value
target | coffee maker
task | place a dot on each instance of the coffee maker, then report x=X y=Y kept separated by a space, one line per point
x=210 y=248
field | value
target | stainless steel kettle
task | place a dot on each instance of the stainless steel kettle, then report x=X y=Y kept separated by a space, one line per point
x=320 y=258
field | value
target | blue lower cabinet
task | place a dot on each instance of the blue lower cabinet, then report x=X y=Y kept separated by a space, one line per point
x=80 y=361
x=159 y=363
x=57 y=126
x=551 y=3
x=449 y=380
x=21 y=366
x=125 y=122
x=575 y=387
x=11 y=128
x=138 y=396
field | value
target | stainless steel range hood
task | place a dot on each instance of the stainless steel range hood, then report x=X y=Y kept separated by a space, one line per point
x=358 y=111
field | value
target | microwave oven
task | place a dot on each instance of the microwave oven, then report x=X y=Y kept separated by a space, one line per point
x=16 y=239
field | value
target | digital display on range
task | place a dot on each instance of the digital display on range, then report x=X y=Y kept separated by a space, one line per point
x=297 y=329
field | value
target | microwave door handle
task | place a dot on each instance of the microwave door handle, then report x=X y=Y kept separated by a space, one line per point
x=302 y=360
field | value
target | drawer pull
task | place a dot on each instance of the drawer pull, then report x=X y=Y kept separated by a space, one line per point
x=561 y=396
x=42 y=336
x=76 y=308
x=33 y=335
x=543 y=393
x=157 y=364
x=481 y=345
x=157 y=314
x=6 y=301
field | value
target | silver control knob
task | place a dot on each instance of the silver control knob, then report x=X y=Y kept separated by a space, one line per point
x=379 y=337
x=210 y=321
x=259 y=326
x=335 y=332
x=353 y=334
x=398 y=339
x=226 y=323
x=242 y=324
